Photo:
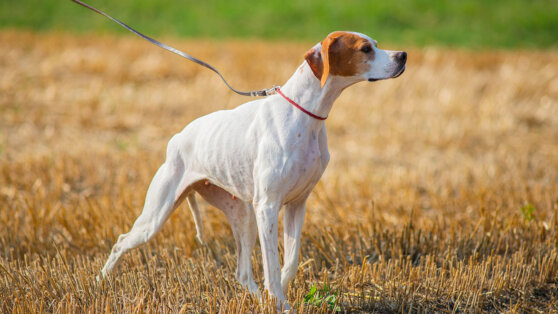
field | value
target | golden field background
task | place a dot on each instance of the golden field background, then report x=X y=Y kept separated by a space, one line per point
x=420 y=208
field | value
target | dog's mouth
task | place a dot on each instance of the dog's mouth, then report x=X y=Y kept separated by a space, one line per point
x=396 y=74
x=400 y=71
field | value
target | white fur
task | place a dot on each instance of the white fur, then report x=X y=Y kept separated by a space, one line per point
x=249 y=162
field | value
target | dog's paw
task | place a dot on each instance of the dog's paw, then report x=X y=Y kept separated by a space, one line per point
x=102 y=276
x=285 y=308
x=200 y=241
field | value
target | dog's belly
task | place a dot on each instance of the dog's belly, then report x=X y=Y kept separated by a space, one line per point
x=234 y=175
x=215 y=146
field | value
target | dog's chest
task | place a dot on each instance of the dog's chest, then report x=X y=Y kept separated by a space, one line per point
x=310 y=159
x=307 y=167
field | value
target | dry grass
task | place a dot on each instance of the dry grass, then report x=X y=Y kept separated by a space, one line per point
x=420 y=208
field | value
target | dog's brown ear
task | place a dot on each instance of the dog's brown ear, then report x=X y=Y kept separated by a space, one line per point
x=326 y=45
x=314 y=59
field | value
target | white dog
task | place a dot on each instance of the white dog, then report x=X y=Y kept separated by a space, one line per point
x=252 y=160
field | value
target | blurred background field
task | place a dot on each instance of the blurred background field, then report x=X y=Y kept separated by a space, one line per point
x=441 y=194
x=465 y=23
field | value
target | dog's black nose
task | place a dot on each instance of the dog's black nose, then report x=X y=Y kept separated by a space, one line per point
x=401 y=56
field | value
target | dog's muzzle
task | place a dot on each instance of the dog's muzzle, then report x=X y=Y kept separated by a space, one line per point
x=401 y=59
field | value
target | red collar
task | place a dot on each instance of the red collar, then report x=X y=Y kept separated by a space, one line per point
x=298 y=106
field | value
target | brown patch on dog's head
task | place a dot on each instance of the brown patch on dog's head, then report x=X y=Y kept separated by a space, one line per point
x=343 y=54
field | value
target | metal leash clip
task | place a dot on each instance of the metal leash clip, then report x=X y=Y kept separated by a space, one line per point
x=265 y=92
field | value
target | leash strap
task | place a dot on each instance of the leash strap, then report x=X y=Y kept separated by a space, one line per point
x=263 y=92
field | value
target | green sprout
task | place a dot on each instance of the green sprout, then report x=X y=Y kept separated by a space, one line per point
x=316 y=297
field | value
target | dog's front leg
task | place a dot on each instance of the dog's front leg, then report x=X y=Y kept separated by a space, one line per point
x=267 y=218
x=293 y=219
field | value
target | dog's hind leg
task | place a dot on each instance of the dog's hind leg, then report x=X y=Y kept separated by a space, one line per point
x=244 y=221
x=241 y=217
x=168 y=188
x=191 y=199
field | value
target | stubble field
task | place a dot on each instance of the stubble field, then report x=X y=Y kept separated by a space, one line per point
x=441 y=193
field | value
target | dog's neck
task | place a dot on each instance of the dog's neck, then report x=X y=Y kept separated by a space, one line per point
x=304 y=89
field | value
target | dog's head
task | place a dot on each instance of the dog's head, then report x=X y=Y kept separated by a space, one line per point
x=355 y=56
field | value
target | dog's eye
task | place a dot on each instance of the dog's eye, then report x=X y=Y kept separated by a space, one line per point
x=366 y=49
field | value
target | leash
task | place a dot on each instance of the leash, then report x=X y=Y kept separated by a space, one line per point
x=263 y=92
